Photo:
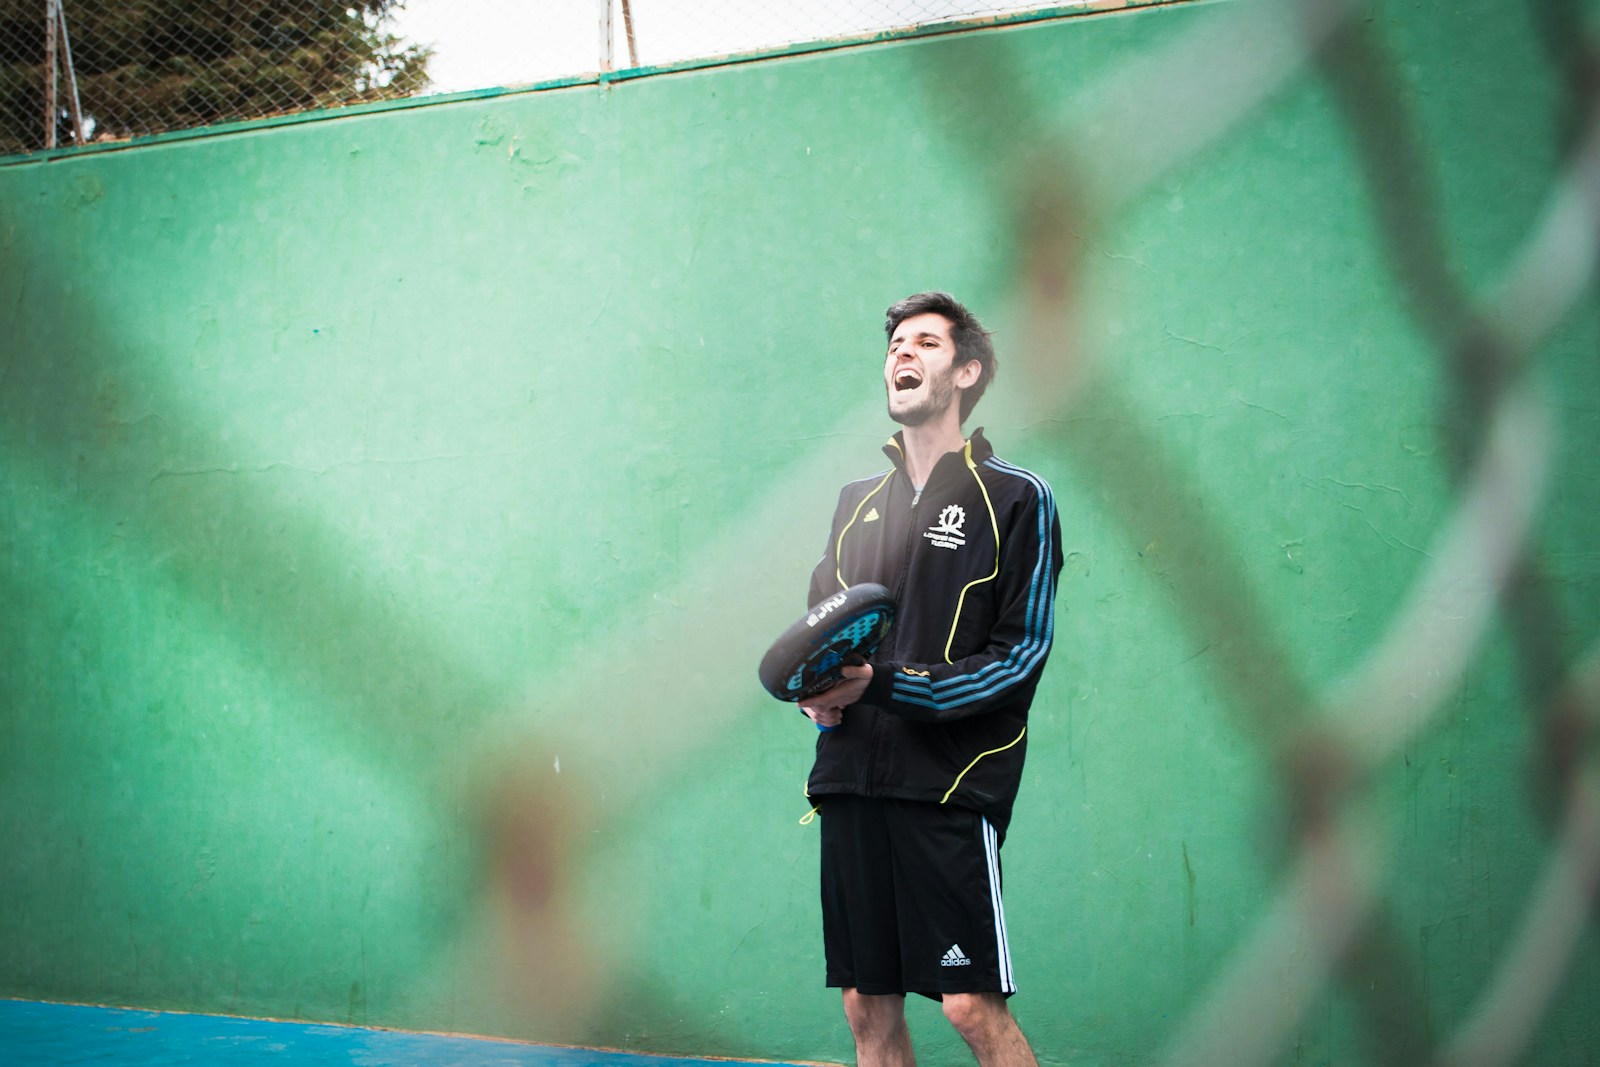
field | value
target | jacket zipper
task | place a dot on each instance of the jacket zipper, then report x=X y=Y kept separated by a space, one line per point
x=899 y=588
x=911 y=543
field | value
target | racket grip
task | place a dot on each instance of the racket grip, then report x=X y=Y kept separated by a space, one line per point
x=851 y=659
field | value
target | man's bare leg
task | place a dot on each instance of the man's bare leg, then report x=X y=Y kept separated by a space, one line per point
x=878 y=1024
x=986 y=1024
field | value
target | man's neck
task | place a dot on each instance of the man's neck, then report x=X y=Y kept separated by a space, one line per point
x=927 y=444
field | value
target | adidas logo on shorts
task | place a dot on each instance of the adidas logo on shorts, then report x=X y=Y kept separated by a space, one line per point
x=955 y=958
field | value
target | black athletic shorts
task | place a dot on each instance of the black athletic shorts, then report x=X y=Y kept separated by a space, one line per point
x=911 y=898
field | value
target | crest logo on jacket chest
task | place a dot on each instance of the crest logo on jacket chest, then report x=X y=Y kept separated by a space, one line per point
x=946 y=532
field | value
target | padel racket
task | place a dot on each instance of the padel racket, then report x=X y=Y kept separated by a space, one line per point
x=845 y=627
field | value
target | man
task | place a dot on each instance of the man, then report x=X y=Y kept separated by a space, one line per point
x=917 y=771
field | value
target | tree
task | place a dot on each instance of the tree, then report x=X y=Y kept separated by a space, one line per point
x=145 y=66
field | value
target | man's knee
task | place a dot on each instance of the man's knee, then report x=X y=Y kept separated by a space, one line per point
x=974 y=1014
x=870 y=1014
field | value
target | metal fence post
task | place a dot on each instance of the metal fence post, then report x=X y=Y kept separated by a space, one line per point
x=50 y=27
x=627 y=29
x=74 y=104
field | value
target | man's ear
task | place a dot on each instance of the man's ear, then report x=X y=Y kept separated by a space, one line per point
x=968 y=374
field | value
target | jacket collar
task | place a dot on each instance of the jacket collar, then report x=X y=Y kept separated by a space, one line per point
x=975 y=451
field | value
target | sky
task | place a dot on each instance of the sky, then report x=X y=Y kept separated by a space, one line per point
x=485 y=43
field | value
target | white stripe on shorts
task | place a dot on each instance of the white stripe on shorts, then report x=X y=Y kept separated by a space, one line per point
x=991 y=852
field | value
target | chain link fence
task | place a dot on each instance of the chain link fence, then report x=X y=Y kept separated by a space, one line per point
x=96 y=71
x=77 y=72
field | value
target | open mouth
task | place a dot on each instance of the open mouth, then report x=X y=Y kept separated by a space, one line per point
x=907 y=379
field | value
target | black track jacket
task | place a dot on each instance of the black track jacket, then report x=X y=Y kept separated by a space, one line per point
x=972 y=565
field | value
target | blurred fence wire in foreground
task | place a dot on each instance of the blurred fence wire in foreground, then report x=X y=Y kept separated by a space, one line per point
x=1330 y=913
x=1330 y=916
x=96 y=71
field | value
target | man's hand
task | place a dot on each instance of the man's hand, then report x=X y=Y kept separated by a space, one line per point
x=827 y=718
x=827 y=707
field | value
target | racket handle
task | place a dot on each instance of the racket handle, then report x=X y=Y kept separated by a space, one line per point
x=851 y=659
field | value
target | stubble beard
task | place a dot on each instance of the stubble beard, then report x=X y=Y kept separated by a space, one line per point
x=941 y=391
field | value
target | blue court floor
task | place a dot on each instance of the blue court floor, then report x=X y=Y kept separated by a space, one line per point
x=33 y=1034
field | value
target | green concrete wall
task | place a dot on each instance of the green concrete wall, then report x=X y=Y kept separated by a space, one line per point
x=393 y=509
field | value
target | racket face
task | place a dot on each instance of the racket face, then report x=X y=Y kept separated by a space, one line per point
x=808 y=657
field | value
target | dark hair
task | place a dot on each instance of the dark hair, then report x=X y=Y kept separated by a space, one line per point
x=971 y=339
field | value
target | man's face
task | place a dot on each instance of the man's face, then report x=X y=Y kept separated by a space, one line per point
x=920 y=372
